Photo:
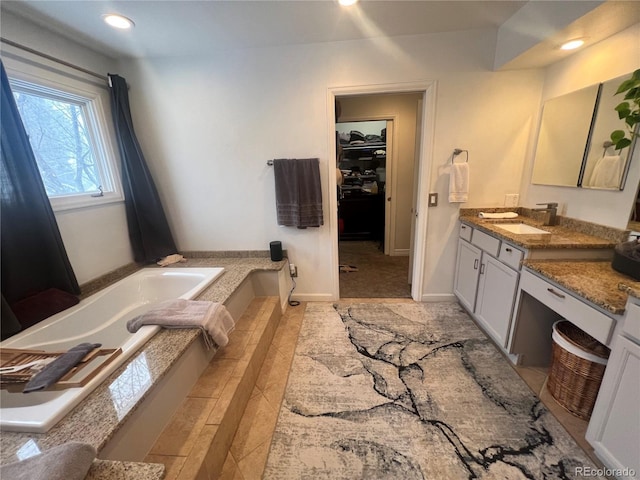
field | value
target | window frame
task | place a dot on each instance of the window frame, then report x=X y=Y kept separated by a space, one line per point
x=94 y=100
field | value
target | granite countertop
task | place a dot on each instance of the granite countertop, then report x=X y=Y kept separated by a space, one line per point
x=567 y=233
x=558 y=237
x=99 y=416
x=593 y=280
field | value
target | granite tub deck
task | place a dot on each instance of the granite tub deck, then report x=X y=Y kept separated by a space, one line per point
x=567 y=234
x=97 y=419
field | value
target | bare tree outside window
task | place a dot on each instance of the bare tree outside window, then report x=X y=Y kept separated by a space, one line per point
x=61 y=143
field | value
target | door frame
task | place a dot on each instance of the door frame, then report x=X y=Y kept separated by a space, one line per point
x=425 y=161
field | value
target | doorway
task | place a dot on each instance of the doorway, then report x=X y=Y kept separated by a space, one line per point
x=376 y=200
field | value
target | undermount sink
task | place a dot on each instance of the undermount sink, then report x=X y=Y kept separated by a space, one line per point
x=521 y=228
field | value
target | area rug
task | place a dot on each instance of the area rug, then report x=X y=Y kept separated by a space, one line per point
x=411 y=391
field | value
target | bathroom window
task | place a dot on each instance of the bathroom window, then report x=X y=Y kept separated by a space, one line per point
x=69 y=135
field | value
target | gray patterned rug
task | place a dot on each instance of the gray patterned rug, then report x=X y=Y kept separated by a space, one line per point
x=410 y=391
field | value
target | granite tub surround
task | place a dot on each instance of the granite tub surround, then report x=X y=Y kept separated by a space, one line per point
x=567 y=233
x=99 y=416
x=593 y=280
x=411 y=391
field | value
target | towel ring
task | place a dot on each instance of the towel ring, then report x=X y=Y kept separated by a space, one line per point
x=605 y=145
x=457 y=152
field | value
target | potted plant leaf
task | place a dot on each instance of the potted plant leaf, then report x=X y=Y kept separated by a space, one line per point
x=628 y=110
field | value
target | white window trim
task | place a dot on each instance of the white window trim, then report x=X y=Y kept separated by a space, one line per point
x=101 y=126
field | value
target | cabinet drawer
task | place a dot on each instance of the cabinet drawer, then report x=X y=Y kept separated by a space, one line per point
x=510 y=255
x=465 y=232
x=631 y=325
x=584 y=316
x=489 y=244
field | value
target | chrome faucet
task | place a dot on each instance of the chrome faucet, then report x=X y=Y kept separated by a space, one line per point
x=551 y=209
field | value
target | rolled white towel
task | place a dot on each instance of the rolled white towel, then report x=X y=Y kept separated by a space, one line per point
x=498 y=215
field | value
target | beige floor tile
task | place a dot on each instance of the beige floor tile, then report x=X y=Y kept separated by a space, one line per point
x=238 y=340
x=533 y=377
x=194 y=466
x=172 y=464
x=246 y=321
x=179 y=437
x=252 y=465
x=223 y=403
x=214 y=378
x=230 y=470
x=275 y=366
x=255 y=428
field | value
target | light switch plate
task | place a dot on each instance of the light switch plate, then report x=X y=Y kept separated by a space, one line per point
x=433 y=199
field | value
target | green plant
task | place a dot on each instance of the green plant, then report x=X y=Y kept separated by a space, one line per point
x=629 y=111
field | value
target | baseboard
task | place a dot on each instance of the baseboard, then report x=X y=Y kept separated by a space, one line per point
x=400 y=252
x=438 y=297
x=313 y=297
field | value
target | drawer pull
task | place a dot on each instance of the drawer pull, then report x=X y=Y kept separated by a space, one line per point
x=508 y=250
x=475 y=264
x=559 y=295
x=463 y=227
x=482 y=268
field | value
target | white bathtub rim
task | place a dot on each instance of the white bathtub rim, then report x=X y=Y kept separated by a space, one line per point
x=86 y=302
x=73 y=396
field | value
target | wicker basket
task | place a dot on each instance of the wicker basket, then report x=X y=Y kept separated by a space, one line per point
x=578 y=362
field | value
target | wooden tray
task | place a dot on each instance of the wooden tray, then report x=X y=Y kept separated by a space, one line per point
x=14 y=382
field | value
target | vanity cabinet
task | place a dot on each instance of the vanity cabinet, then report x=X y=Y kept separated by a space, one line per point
x=614 y=428
x=486 y=280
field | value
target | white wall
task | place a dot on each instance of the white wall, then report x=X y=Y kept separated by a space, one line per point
x=96 y=239
x=209 y=124
x=610 y=58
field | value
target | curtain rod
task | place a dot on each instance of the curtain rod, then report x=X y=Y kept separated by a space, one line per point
x=54 y=59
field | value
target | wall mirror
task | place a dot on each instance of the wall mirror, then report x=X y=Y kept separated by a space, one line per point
x=574 y=148
x=604 y=166
x=563 y=135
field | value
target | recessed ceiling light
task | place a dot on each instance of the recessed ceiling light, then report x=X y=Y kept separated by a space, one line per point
x=572 y=44
x=347 y=3
x=118 y=21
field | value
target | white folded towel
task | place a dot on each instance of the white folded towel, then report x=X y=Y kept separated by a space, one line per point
x=607 y=172
x=459 y=183
x=498 y=215
x=212 y=318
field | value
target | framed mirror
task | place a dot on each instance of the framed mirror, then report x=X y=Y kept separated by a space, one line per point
x=605 y=167
x=564 y=133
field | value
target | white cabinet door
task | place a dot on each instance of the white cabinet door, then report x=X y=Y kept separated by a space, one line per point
x=495 y=299
x=467 y=272
x=614 y=428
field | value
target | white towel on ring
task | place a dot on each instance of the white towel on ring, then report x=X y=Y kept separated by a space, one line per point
x=459 y=183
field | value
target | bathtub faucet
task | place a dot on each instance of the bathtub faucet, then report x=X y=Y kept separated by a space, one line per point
x=551 y=209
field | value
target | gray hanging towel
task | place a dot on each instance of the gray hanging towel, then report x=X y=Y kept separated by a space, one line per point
x=298 y=192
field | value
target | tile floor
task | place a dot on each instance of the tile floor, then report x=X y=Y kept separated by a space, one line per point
x=248 y=453
x=250 y=448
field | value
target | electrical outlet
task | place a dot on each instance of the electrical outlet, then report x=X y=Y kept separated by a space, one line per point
x=293 y=270
x=511 y=200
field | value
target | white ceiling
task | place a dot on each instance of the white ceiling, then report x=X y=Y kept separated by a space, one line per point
x=167 y=28
x=186 y=27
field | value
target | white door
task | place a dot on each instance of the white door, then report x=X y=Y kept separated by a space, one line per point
x=416 y=176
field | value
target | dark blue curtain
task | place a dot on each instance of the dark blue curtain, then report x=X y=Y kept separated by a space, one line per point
x=149 y=230
x=33 y=255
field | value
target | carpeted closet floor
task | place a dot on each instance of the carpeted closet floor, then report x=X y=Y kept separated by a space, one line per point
x=366 y=272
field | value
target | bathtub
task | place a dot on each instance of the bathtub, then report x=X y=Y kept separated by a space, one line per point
x=100 y=318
